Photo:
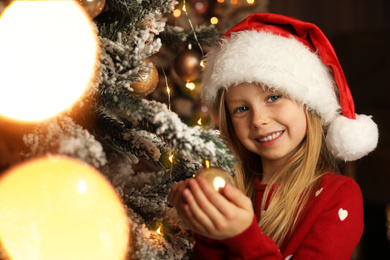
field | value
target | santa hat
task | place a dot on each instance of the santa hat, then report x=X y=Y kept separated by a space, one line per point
x=296 y=59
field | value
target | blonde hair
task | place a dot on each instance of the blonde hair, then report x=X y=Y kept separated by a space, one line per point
x=295 y=181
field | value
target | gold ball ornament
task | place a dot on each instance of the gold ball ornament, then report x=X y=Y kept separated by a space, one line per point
x=147 y=84
x=217 y=177
x=92 y=7
x=187 y=65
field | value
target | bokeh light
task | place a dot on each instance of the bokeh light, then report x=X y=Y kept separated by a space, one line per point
x=60 y=208
x=48 y=55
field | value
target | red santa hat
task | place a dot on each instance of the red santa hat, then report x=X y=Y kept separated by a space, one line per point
x=296 y=59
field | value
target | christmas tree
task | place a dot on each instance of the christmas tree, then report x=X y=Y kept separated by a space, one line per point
x=125 y=126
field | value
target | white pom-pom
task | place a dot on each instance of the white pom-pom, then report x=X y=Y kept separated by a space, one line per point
x=351 y=139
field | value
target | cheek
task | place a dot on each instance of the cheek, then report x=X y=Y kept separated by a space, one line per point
x=301 y=124
x=239 y=129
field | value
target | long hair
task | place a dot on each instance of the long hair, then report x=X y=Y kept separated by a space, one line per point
x=294 y=182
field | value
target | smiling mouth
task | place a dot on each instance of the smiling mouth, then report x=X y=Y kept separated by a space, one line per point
x=270 y=137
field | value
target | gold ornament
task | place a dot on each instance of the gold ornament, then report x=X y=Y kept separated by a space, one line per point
x=217 y=177
x=147 y=84
x=187 y=65
x=92 y=7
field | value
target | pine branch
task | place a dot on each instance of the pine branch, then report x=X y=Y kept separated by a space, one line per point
x=207 y=35
x=193 y=143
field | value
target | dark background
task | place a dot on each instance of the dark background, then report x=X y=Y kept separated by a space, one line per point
x=360 y=33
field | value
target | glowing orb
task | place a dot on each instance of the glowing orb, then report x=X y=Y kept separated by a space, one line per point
x=48 y=55
x=59 y=208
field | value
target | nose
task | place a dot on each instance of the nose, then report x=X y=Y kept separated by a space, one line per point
x=259 y=119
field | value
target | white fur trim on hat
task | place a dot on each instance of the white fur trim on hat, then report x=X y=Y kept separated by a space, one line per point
x=292 y=69
x=282 y=64
x=351 y=139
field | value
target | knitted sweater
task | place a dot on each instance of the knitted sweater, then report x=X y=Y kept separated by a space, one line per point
x=330 y=228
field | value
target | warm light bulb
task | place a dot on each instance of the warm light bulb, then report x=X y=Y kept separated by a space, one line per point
x=168 y=90
x=190 y=85
x=176 y=13
x=201 y=64
x=171 y=158
x=49 y=50
x=200 y=121
x=214 y=20
x=251 y=2
x=159 y=231
x=60 y=208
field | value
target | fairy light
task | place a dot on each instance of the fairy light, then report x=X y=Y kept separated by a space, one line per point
x=190 y=85
x=202 y=64
x=170 y=158
x=192 y=27
x=200 y=121
x=176 y=13
x=234 y=2
x=251 y=2
x=220 y=1
x=159 y=230
x=169 y=97
x=214 y=20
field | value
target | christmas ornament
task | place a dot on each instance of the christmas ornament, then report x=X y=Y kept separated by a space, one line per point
x=187 y=65
x=148 y=82
x=93 y=7
x=41 y=79
x=60 y=208
x=217 y=177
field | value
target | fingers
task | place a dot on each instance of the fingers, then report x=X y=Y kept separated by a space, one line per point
x=237 y=197
x=223 y=206
x=199 y=205
x=175 y=194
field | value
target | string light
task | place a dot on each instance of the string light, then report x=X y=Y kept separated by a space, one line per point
x=159 y=230
x=202 y=63
x=169 y=97
x=200 y=121
x=192 y=27
x=214 y=20
x=234 y=2
x=170 y=158
x=176 y=13
x=190 y=85
x=251 y=2
x=220 y=1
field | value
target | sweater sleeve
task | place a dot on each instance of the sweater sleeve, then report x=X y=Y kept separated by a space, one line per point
x=330 y=229
x=337 y=228
x=250 y=244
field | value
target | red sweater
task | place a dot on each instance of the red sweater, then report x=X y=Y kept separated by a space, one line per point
x=330 y=229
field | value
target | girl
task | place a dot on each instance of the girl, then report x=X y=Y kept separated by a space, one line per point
x=275 y=88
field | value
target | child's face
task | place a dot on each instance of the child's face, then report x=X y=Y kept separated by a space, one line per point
x=265 y=122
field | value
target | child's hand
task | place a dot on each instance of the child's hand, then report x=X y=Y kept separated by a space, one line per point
x=209 y=213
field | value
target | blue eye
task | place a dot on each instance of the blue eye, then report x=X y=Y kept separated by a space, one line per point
x=273 y=98
x=241 y=109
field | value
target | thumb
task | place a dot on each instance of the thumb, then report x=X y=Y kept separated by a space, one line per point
x=235 y=196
